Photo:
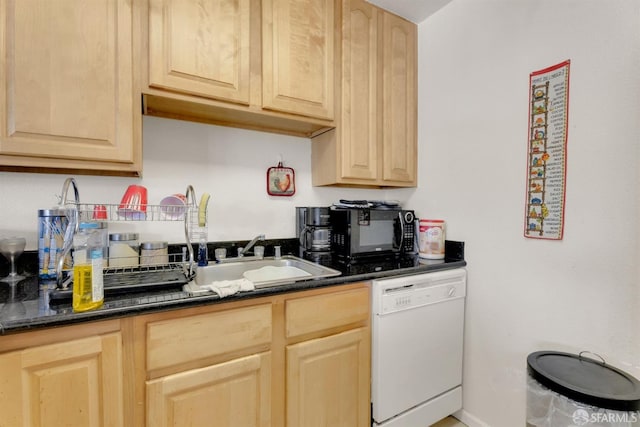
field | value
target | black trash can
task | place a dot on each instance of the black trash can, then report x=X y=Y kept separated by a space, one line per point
x=568 y=390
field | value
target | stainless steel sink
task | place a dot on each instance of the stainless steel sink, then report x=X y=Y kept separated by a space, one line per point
x=264 y=272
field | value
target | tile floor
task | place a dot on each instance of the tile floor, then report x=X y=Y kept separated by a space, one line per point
x=449 y=422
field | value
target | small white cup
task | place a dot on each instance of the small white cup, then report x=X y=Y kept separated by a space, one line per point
x=220 y=253
x=258 y=251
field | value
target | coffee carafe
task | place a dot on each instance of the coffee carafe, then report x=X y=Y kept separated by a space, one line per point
x=314 y=233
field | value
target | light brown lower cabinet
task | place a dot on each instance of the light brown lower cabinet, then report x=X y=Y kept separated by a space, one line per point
x=295 y=359
x=233 y=393
x=73 y=382
x=327 y=381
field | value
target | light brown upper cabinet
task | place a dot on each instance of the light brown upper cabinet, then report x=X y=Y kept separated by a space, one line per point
x=399 y=100
x=265 y=65
x=201 y=48
x=375 y=139
x=298 y=56
x=68 y=95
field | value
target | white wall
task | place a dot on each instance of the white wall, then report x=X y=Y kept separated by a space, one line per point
x=525 y=295
x=228 y=163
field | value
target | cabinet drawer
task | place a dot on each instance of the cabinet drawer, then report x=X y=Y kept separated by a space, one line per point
x=320 y=312
x=176 y=341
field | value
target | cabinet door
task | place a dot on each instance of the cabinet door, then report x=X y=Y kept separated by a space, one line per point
x=298 y=57
x=233 y=394
x=67 y=94
x=328 y=381
x=375 y=141
x=200 y=47
x=400 y=99
x=359 y=121
x=74 y=383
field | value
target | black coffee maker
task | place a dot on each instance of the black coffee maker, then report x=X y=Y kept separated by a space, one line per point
x=313 y=230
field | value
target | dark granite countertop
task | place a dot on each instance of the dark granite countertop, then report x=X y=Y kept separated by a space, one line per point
x=31 y=306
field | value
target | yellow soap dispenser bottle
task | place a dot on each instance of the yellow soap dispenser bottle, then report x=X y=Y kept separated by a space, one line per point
x=88 y=286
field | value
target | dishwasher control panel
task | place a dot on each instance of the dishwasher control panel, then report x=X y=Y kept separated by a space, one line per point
x=402 y=293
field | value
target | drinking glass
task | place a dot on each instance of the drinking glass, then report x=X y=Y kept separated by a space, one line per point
x=11 y=249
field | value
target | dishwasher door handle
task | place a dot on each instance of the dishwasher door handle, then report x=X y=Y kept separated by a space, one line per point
x=399 y=289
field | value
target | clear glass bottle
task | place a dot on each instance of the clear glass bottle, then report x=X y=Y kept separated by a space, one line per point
x=88 y=286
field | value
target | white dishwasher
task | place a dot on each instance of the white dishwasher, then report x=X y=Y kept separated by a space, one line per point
x=416 y=358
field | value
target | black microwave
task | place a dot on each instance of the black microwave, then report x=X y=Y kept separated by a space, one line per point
x=367 y=232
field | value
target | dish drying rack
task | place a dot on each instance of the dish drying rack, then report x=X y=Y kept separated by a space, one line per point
x=180 y=268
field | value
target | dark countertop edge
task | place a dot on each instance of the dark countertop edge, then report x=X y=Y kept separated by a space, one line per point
x=42 y=322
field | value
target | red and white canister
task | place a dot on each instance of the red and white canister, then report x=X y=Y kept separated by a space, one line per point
x=431 y=238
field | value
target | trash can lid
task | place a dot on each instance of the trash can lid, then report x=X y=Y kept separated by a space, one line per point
x=585 y=380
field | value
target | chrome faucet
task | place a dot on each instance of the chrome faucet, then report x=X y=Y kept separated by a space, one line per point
x=242 y=251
